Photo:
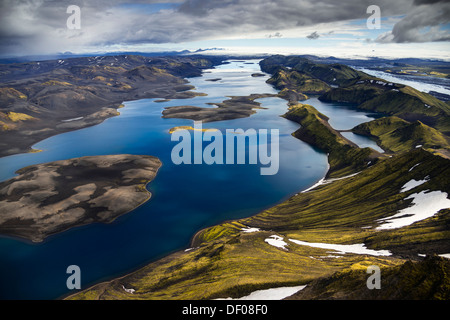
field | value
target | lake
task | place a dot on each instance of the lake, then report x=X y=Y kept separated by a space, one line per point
x=185 y=198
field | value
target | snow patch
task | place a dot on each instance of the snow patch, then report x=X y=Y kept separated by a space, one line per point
x=412 y=168
x=73 y=119
x=128 y=290
x=358 y=248
x=320 y=182
x=425 y=204
x=323 y=181
x=249 y=229
x=276 y=241
x=412 y=184
x=270 y=294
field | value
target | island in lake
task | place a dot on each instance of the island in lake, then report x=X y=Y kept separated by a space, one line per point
x=48 y=198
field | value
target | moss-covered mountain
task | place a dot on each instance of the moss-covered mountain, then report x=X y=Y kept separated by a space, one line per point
x=344 y=156
x=339 y=83
x=393 y=99
x=367 y=211
x=298 y=82
x=332 y=74
x=225 y=260
x=425 y=280
x=228 y=260
x=297 y=77
x=396 y=135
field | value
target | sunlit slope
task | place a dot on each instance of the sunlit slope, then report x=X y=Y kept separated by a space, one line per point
x=229 y=260
x=395 y=135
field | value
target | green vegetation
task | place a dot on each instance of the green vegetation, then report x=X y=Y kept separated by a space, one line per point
x=17 y=116
x=336 y=74
x=226 y=261
x=56 y=83
x=357 y=201
x=396 y=135
x=298 y=82
x=406 y=100
x=361 y=187
x=11 y=94
x=439 y=71
x=297 y=77
x=358 y=92
x=332 y=74
x=394 y=99
x=348 y=85
x=425 y=280
x=35 y=150
x=344 y=157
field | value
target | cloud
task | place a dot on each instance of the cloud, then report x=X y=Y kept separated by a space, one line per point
x=275 y=35
x=313 y=36
x=425 y=22
x=419 y=2
x=30 y=26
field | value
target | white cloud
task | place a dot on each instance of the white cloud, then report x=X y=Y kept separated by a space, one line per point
x=29 y=26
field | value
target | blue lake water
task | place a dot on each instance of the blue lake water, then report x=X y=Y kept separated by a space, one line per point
x=185 y=198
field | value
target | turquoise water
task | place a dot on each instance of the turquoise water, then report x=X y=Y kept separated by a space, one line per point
x=185 y=198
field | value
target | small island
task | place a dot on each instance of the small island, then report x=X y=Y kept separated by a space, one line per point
x=49 y=198
x=172 y=130
x=234 y=108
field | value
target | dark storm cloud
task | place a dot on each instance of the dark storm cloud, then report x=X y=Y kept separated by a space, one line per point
x=419 y=2
x=35 y=25
x=424 y=22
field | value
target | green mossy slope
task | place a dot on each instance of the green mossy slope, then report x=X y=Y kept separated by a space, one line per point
x=396 y=135
x=362 y=187
x=226 y=261
x=425 y=280
x=344 y=156
x=299 y=82
x=393 y=99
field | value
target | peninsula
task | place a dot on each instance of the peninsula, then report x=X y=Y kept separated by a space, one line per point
x=44 y=98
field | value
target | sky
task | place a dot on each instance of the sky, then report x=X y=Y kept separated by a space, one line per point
x=341 y=28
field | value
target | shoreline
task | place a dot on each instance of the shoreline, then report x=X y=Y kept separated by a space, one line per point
x=215 y=243
x=200 y=231
x=62 y=195
x=64 y=126
x=88 y=92
x=191 y=244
